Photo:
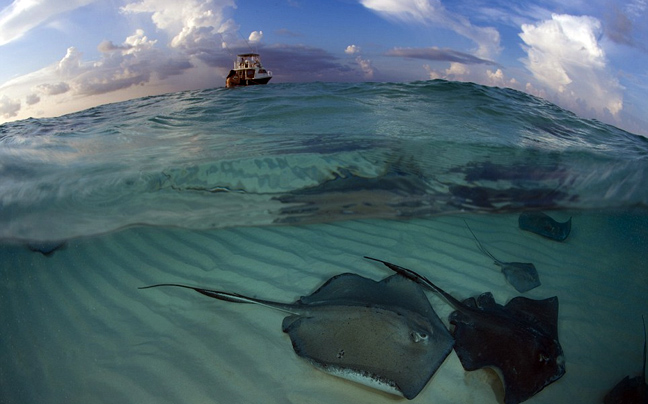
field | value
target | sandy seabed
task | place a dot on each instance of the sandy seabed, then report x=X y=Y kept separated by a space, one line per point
x=74 y=328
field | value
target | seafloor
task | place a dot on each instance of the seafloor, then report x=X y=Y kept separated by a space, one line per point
x=75 y=328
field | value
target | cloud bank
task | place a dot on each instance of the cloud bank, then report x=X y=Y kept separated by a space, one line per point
x=437 y=54
x=195 y=27
x=432 y=12
x=134 y=62
x=24 y=15
x=9 y=107
x=564 y=55
x=190 y=23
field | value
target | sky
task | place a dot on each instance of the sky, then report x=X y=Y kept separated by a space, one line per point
x=62 y=56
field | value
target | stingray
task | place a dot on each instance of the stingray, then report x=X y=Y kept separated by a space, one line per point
x=47 y=248
x=544 y=225
x=519 y=340
x=631 y=390
x=382 y=334
x=522 y=275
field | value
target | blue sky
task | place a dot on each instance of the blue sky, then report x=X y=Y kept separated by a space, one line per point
x=60 y=56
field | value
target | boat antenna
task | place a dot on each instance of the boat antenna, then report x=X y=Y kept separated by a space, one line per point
x=225 y=43
x=246 y=42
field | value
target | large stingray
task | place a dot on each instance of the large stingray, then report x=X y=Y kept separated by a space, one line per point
x=631 y=391
x=382 y=334
x=520 y=339
x=522 y=275
x=544 y=225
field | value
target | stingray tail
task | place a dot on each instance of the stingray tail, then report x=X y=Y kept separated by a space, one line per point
x=230 y=297
x=644 y=355
x=482 y=248
x=422 y=280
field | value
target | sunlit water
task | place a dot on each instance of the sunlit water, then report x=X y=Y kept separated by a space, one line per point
x=260 y=185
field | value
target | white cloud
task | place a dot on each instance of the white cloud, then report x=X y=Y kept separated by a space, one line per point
x=476 y=74
x=190 y=23
x=366 y=67
x=636 y=7
x=432 y=74
x=432 y=12
x=457 y=70
x=255 y=36
x=53 y=89
x=32 y=99
x=419 y=11
x=135 y=61
x=564 y=55
x=21 y=16
x=70 y=65
x=437 y=54
x=497 y=79
x=132 y=44
x=8 y=107
x=352 y=49
x=531 y=89
x=139 y=66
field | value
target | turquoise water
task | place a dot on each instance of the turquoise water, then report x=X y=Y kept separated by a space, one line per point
x=276 y=154
x=271 y=190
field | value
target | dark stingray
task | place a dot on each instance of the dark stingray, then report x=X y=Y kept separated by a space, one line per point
x=631 y=391
x=47 y=248
x=486 y=198
x=517 y=173
x=540 y=223
x=519 y=339
x=522 y=275
x=382 y=334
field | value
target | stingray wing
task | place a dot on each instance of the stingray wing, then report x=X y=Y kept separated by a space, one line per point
x=351 y=289
x=539 y=314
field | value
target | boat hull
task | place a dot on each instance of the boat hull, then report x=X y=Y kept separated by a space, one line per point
x=253 y=82
x=236 y=82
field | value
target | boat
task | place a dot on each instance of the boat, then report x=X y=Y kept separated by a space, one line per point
x=247 y=71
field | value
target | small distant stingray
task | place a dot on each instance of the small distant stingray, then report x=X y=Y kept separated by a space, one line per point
x=47 y=248
x=495 y=199
x=631 y=391
x=520 y=339
x=522 y=275
x=542 y=224
x=382 y=334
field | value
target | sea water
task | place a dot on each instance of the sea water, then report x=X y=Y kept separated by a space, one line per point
x=275 y=154
x=257 y=171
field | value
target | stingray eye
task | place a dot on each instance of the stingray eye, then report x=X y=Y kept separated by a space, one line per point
x=419 y=336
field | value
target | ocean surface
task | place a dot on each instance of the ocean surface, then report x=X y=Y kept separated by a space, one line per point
x=269 y=191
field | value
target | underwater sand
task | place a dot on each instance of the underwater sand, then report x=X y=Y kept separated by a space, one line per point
x=75 y=328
